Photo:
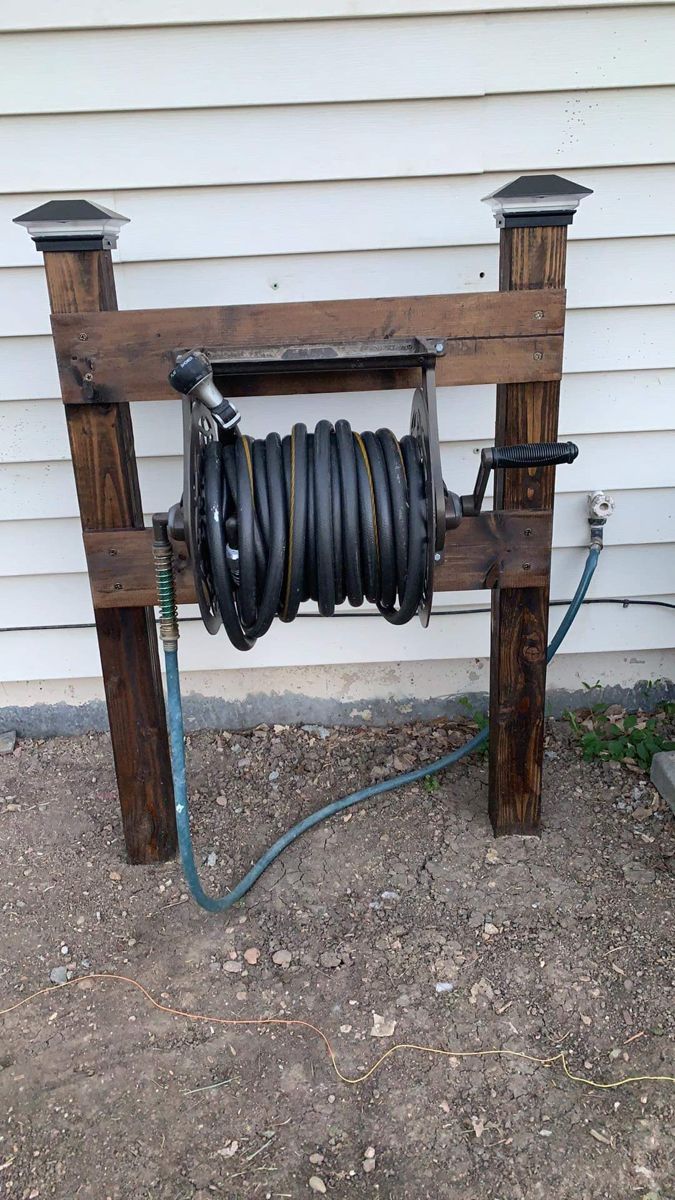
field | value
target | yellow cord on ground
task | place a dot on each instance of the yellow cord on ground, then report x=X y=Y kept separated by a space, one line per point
x=300 y=1024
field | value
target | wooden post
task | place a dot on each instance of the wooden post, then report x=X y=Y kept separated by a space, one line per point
x=533 y=213
x=76 y=238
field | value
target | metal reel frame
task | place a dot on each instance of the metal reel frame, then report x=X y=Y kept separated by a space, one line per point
x=199 y=429
x=424 y=429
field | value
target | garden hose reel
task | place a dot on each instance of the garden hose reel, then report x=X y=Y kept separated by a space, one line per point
x=330 y=516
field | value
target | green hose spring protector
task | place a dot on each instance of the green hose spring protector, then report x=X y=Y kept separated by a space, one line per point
x=177 y=742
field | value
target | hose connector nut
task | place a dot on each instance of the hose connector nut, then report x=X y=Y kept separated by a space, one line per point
x=162 y=554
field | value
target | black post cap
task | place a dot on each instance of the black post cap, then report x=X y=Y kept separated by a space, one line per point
x=536 y=200
x=72 y=225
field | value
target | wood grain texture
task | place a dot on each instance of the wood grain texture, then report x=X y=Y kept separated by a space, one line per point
x=104 y=463
x=530 y=258
x=489 y=336
x=477 y=553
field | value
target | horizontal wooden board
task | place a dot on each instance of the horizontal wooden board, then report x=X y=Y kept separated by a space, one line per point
x=359 y=214
x=604 y=273
x=73 y=654
x=281 y=144
x=647 y=568
x=619 y=401
x=319 y=61
x=596 y=340
x=609 y=461
x=489 y=337
x=97 y=14
x=482 y=551
x=43 y=546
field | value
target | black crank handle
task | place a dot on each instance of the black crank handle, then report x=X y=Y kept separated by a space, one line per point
x=537 y=454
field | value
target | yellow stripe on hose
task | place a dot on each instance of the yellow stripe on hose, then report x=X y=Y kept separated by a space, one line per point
x=289 y=560
x=249 y=464
x=362 y=448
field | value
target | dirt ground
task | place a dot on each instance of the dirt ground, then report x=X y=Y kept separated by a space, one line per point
x=541 y=945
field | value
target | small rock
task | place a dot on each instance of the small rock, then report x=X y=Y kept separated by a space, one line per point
x=317 y=1184
x=401 y=764
x=481 y=988
x=390 y=896
x=273 y=776
x=243 y=763
x=8 y=741
x=229 y=1149
x=282 y=958
x=221 y=801
x=381 y=1027
x=232 y=968
x=114 y=876
x=58 y=975
x=318 y=730
x=369 y=1165
x=211 y=859
x=316 y=1159
x=444 y=987
x=663 y=775
x=635 y=873
x=328 y=959
x=251 y=956
x=370 y=1152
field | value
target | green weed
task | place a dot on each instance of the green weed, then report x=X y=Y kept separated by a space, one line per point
x=430 y=784
x=628 y=738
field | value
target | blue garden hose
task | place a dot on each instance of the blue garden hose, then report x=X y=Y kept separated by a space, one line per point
x=177 y=743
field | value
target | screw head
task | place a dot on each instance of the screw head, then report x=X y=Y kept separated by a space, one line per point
x=439 y=346
x=83 y=336
x=538 y=355
x=437 y=557
x=539 y=314
x=526 y=566
x=527 y=532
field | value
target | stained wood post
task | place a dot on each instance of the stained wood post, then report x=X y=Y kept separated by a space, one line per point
x=533 y=213
x=76 y=238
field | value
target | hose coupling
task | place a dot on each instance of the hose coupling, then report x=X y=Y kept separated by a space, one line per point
x=162 y=554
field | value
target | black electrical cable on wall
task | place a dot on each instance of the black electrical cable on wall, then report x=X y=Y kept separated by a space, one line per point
x=439 y=612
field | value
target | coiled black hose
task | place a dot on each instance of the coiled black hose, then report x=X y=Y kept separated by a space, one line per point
x=329 y=516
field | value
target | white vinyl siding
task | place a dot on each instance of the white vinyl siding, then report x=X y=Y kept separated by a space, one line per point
x=341 y=149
